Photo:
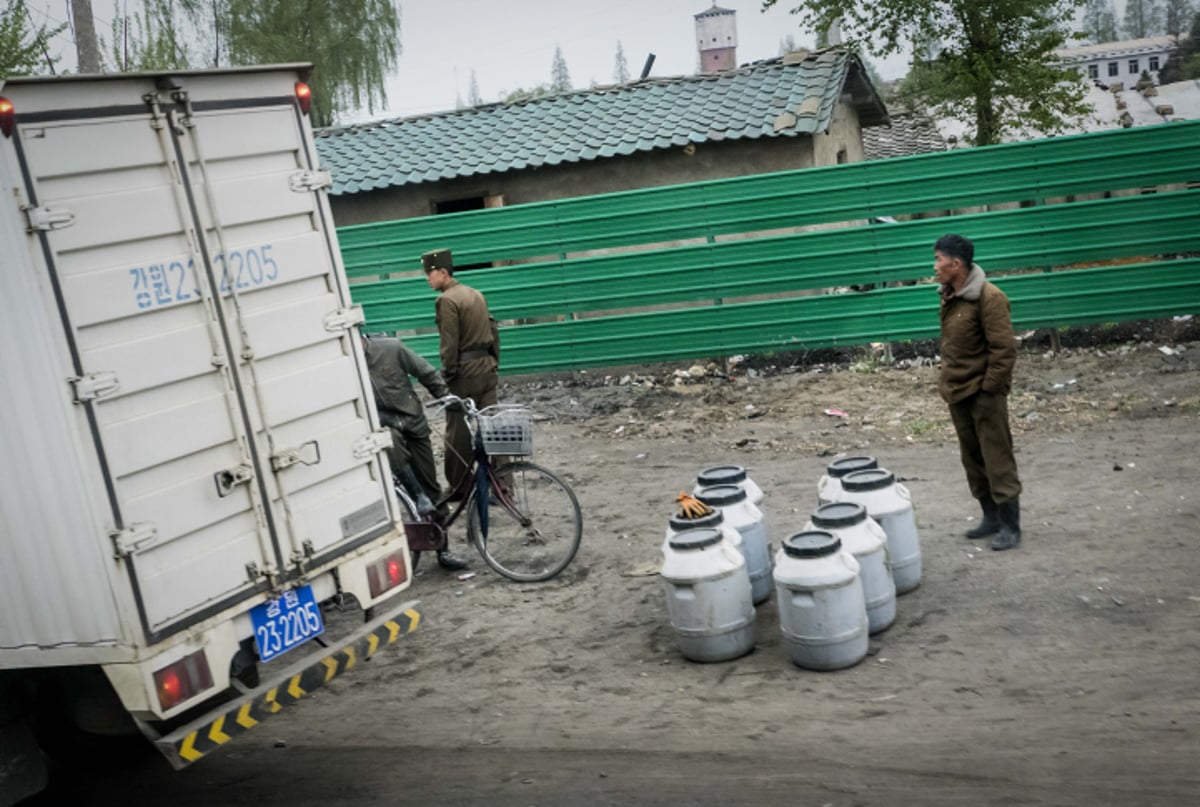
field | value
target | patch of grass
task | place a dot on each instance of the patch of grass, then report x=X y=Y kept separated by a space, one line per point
x=921 y=426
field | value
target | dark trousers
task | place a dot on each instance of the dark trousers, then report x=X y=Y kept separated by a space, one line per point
x=986 y=446
x=481 y=389
x=412 y=448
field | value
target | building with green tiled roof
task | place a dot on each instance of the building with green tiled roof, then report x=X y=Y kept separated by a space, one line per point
x=796 y=111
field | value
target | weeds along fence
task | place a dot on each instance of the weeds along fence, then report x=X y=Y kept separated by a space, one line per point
x=1092 y=228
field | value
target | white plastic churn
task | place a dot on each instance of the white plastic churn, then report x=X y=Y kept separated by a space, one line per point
x=863 y=538
x=729 y=475
x=829 y=488
x=708 y=596
x=716 y=520
x=747 y=519
x=889 y=503
x=822 y=611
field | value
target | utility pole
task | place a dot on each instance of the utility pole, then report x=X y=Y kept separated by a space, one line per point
x=86 y=45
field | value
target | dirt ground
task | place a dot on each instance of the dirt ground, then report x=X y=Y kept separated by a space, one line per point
x=1065 y=672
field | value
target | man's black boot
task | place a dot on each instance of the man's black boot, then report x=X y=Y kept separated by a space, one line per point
x=420 y=499
x=449 y=561
x=1010 y=525
x=990 y=524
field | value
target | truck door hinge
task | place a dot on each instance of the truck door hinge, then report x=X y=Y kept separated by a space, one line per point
x=310 y=180
x=94 y=385
x=128 y=541
x=372 y=443
x=230 y=478
x=306 y=454
x=47 y=218
x=344 y=318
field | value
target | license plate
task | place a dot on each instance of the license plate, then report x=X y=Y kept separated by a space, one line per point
x=283 y=623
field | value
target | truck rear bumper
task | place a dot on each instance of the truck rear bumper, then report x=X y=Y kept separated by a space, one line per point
x=207 y=733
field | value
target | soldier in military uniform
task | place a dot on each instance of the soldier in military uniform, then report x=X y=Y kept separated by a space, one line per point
x=470 y=355
x=391 y=363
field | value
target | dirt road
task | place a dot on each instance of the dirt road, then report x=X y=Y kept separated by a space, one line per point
x=1064 y=673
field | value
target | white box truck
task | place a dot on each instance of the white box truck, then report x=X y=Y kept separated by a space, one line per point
x=191 y=463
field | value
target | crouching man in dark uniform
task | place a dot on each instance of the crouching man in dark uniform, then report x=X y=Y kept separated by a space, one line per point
x=391 y=363
x=979 y=352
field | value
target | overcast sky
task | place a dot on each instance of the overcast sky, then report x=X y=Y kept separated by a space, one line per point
x=510 y=43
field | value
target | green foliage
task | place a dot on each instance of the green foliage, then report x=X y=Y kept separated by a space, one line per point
x=149 y=39
x=23 y=48
x=560 y=77
x=1100 y=21
x=620 y=66
x=994 y=64
x=1179 y=15
x=1184 y=63
x=520 y=94
x=1143 y=18
x=352 y=44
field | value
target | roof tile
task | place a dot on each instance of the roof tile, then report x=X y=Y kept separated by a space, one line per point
x=773 y=98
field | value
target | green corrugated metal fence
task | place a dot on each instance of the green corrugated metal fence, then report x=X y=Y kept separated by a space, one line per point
x=704 y=248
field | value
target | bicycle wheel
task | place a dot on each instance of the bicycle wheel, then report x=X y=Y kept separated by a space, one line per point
x=535 y=533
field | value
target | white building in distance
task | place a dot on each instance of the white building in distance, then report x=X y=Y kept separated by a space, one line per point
x=1108 y=62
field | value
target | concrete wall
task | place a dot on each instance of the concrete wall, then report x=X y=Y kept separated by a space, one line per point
x=712 y=160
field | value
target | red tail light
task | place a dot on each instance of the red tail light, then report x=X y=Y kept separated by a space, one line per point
x=182 y=679
x=8 y=117
x=303 y=96
x=386 y=573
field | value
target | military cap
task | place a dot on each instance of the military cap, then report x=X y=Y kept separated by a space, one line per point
x=437 y=259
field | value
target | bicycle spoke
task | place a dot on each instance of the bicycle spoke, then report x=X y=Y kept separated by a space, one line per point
x=534 y=532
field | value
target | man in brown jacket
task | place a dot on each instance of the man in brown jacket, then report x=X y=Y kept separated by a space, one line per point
x=978 y=355
x=470 y=356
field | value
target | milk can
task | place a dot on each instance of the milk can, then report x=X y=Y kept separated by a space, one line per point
x=889 y=503
x=829 y=488
x=863 y=538
x=729 y=475
x=747 y=519
x=708 y=596
x=822 y=611
x=716 y=520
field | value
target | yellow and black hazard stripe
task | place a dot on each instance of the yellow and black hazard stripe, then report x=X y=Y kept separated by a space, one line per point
x=201 y=737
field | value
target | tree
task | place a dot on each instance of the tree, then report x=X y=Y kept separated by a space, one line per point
x=996 y=66
x=520 y=94
x=352 y=44
x=1184 y=63
x=1100 y=21
x=787 y=45
x=149 y=40
x=1143 y=18
x=473 y=97
x=23 y=47
x=1178 y=16
x=87 y=46
x=620 y=67
x=560 y=78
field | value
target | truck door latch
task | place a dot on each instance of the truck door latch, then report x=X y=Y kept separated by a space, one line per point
x=94 y=385
x=48 y=218
x=344 y=318
x=230 y=478
x=371 y=444
x=128 y=541
x=311 y=180
x=306 y=454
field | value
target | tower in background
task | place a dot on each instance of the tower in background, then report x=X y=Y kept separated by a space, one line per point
x=716 y=29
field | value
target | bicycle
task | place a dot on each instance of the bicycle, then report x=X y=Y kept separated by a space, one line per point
x=524 y=520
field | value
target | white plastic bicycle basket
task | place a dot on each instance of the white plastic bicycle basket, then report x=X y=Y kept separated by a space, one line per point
x=507 y=431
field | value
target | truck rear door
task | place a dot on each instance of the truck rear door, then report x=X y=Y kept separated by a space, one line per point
x=190 y=252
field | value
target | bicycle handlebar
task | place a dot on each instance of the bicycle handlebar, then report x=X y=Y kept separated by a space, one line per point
x=468 y=404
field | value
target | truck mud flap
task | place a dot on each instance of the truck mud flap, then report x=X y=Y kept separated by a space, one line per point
x=206 y=734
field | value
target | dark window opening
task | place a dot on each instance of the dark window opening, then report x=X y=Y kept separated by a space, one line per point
x=1114 y=69
x=460 y=206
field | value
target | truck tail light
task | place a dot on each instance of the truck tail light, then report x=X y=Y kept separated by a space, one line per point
x=182 y=679
x=8 y=117
x=386 y=573
x=303 y=96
